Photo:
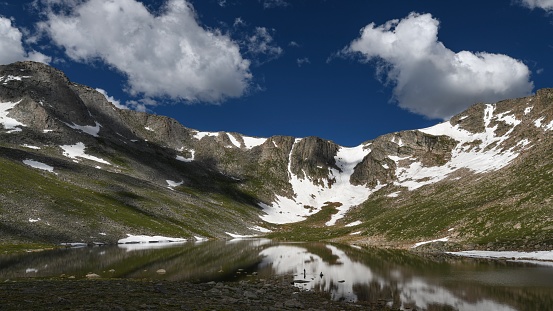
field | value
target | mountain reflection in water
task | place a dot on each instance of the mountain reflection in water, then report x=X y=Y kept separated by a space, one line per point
x=396 y=278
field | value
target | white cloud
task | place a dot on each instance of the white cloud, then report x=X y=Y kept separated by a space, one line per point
x=11 y=45
x=430 y=79
x=238 y=22
x=112 y=100
x=303 y=61
x=261 y=43
x=542 y=4
x=164 y=55
x=138 y=105
x=269 y=4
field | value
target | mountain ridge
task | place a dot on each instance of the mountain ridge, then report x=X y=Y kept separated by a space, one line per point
x=237 y=182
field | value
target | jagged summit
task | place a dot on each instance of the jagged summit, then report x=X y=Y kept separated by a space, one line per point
x=170 y=178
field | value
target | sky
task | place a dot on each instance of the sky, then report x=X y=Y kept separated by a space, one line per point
x=344 y=70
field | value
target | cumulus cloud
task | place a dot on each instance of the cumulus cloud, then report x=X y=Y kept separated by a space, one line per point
x=430 y=79
x=164 y=55
x=138 y=105
x=547 y=5
x=111 y=99
x=11 y=45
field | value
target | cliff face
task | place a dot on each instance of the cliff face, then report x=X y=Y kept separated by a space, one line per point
x=180 y=179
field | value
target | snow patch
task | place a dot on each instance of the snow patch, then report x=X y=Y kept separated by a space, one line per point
x=394 y=194
x=183 y=159
x=537 y=255
x=138 y=239
x=527 y=110
x=260 y=229
x=239 y=236
x=538 y=122
x=149 y=129
x=31 y=220
x=547 y=127
x=39 y=165
x=353 y=224
x=10 y=124
x=88 y=129
x=5 y=79
x=200 y=135
x=428 y=242
x=251 y=142
x=30 y=147
x=78 y=151
x=398 y=141
x=234 y=141
x=173 y=184
x=200 y=239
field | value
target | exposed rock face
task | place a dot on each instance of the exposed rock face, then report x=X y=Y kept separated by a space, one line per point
x=312 y=157
x=122 y=151
x=378 y=168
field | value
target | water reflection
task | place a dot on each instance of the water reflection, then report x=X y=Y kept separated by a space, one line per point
x=394 y=278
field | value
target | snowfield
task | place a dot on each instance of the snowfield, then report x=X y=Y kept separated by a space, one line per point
x=531 y=256
x=138 y=239
x=78 y=151
x=310 y=198
x=10 y=124
x=7 y=79
x=39 y=165
x=88 y=129
x=172 y=184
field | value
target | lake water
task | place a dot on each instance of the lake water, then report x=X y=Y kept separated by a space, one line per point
x=400 y=279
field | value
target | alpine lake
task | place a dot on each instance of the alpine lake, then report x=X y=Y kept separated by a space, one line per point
x=404 y=280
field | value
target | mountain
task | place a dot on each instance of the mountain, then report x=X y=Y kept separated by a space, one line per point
x=76 y=168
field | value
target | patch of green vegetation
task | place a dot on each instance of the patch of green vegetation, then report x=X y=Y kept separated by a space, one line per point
x=25 y=247
x=313 y=228
x=510 y=210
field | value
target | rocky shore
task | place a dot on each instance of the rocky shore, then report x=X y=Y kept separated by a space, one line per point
x=126 y=294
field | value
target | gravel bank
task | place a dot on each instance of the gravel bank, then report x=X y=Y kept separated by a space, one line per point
x=125 y=294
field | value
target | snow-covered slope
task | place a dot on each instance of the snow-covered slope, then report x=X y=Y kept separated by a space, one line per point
x=309 y=197
x=417 y=158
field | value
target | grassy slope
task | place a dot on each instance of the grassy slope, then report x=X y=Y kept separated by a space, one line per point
x=511 y=209
x=73 y=208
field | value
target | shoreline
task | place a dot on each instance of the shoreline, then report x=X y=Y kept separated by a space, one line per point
x=128 y=294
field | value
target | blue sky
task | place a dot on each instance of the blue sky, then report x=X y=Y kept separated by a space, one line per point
x=343 y=70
